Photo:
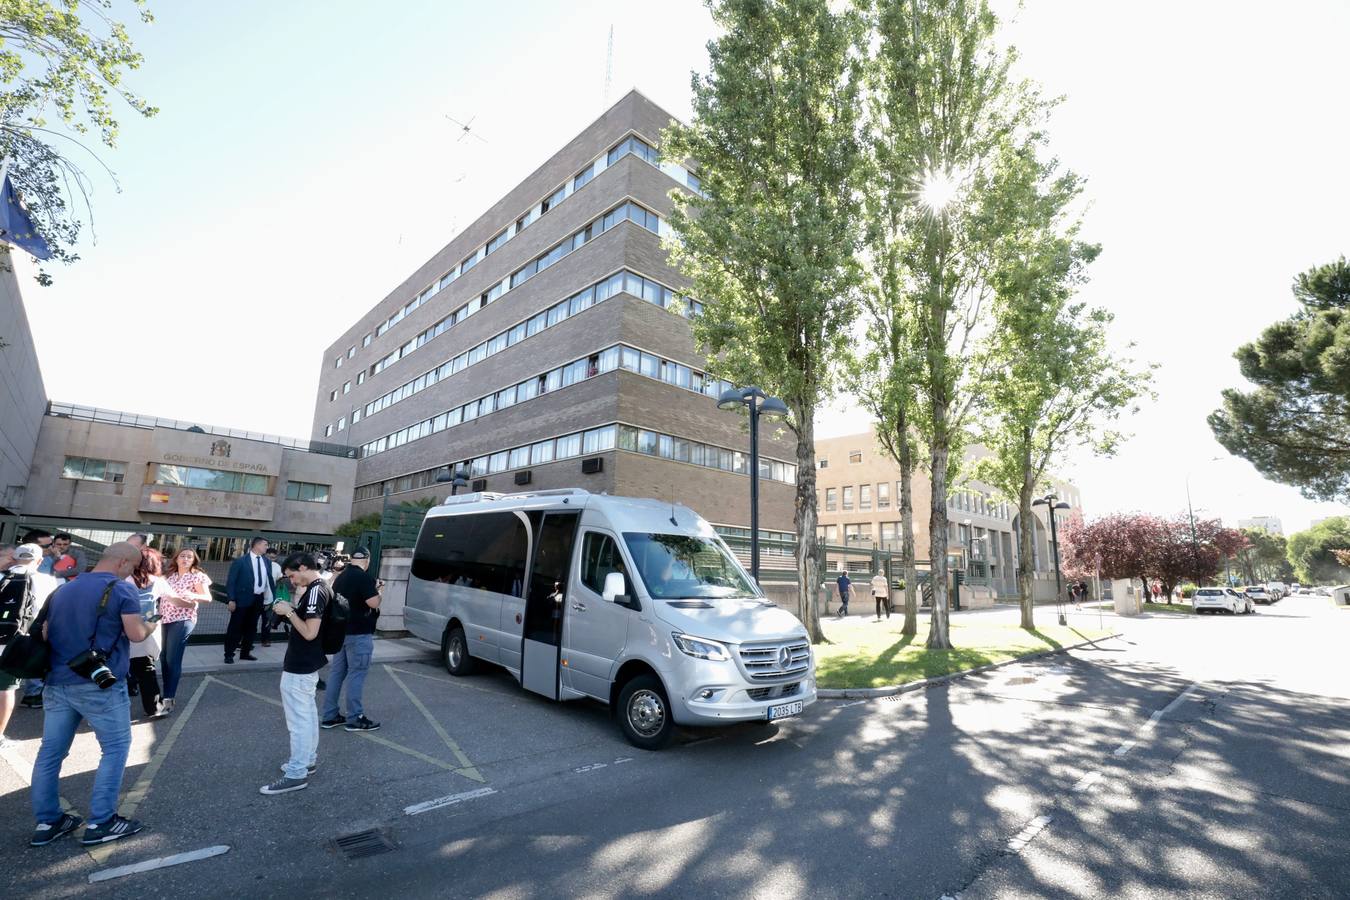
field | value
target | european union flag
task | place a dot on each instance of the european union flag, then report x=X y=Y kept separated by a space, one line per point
x=16 y=226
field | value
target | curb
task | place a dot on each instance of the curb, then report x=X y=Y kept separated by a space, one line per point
x=894 y=689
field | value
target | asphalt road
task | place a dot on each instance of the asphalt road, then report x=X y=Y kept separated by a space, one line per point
x=1196 y=757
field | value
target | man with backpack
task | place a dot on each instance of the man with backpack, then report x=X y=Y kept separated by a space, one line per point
x=352 y=661
x=23 y=591
x=300 y=668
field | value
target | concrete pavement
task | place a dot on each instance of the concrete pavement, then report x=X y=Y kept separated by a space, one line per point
x=200 y=659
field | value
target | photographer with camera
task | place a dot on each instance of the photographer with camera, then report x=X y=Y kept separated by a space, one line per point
x=89 y=625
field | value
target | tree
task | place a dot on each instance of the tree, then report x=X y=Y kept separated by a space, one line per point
x=1055 y=384
x=61 y=58
x=1264 y=557
x=1312 y=553
x=770 y=244
x=373 y=521
x=1119 y=546
x=1194 y=550
x=946 y=109
x=1295 y=426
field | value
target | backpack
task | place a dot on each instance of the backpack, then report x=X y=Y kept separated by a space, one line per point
x=16 y=604
x=333 y=626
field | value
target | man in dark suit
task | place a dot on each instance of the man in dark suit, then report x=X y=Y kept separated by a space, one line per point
x=248 y=586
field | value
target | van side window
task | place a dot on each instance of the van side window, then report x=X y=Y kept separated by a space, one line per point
x=484 y=551
x=599 y=557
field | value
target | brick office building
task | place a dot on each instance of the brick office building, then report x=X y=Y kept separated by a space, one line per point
x=548 y=346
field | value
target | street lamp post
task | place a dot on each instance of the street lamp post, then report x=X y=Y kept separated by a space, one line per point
x=1049 y=502
x=759 y=404
x=456 y=481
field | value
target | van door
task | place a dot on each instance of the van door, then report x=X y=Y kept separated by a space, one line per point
x=546 y=602
x=596 y=629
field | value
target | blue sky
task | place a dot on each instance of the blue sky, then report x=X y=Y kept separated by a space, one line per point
x=301 y=167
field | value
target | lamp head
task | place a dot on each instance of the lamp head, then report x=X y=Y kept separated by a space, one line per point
x=731 y=399
x=773 y=408
x=443 y=475
x=1061 y=505
x=1039 y=501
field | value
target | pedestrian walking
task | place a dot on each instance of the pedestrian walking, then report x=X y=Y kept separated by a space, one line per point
x=89 y=625
x=881 y=594
x=248 y=585
x=844 y=587
x=191 y=588
x=300 y=670
x=151 y=589
x=23 y=592
x=352 y=662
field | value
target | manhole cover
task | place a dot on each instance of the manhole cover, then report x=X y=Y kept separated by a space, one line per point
x=363 y=843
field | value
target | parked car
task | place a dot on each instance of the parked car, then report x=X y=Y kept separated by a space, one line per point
x=1259 y=594
x=1217 y=599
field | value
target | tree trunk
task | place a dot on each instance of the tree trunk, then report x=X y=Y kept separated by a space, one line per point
x=939 y=638
x=911 y=626
x=1026 y=558
x=1148 y=598
x=808 y=545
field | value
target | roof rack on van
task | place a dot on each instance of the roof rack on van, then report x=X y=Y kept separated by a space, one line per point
x=471 y=498
x=478 y=496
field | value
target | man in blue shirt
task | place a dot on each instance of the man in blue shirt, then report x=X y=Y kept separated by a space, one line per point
x=845 y=585
x=78 y=620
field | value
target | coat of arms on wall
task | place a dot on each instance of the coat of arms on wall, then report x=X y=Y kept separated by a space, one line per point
x=221 y=448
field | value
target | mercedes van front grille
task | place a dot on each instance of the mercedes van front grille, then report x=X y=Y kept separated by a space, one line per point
x=769 y=662
x=777 y=692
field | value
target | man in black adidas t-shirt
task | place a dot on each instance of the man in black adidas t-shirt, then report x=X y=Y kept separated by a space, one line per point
x=300 y=669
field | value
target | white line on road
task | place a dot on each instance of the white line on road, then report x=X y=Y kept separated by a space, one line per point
x=591 y=768
x=851 y=703
x=1157 y=717
x=1087 y=781
x=158 y=863
x=451 y=800
x=1125 y=748
x=1028 y=834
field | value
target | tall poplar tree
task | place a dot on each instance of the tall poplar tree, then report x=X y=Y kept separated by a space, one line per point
x=1055 y=384
x=770 y=244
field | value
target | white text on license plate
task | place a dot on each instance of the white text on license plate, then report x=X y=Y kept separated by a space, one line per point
x=782 y=711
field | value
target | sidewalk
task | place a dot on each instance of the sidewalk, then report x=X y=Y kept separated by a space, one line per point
x=202 y=658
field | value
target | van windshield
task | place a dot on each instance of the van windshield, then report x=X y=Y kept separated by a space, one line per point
x=685 y=566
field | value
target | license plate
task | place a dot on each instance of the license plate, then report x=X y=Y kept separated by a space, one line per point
x=782 y=711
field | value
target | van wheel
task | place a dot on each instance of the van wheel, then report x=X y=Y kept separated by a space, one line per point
x=455 y=652
x=644 y=713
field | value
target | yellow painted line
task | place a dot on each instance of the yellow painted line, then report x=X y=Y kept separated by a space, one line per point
x=138 y=792
x=23 y=769
x=467 y=770
x=454 y=682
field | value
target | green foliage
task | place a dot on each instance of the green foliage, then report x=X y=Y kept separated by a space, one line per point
x=61 y=59
x=1293 y=427
x=1312 y=552
x=769 y=246
x=372 y=521
x=1264 y=558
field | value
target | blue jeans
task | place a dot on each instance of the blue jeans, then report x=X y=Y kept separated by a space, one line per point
x=109 y=714
x=351 y=664
x=32 y=686
x=175 y=638
x=302 y=721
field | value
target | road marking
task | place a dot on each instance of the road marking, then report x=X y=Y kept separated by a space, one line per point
x=263 y=697
x=160 y=862
x=851 y=703
x=455 y=682
x=466 y=767
x=23 y=769
x=623 y=759
x=440 y=802
x=591 y=768
x=1028 y=834
x=141 y=788
x=1125 y=748
x=1157 y=717
x=1087 y=781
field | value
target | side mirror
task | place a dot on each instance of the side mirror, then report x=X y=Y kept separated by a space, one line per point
x=615 y=590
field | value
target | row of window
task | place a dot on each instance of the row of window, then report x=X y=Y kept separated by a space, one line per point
x=623 y=281
x=632 y=144
x=981 y=504
x=82 y=468
x=308 y=492
x=607 y=360
x=628 y=211
x=854 y=457
x=883 y=495
x=209 y=479
x=595 y=440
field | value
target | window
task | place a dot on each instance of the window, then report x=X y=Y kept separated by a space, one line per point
x=848 y=498
x=337 y=363
x=361 y=377
x=854 y=456
x=365 y=341
x=485 y=551
x=824 y=463
x=569 y=446
x=332 y=395
x=81 y=468
x=307 y=492
x=865 y=497
x=831 y=499
x=884 y=495
x=351 y=351
x=341 y=423
x=582 y=177
x=599 y=557
x=210 y=479
x=347 y=387
x=328 y=431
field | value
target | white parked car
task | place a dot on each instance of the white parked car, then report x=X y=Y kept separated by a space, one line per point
x=1259 y=594
x=1217 y=599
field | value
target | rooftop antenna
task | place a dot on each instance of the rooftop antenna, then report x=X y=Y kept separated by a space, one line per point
x=466 y=129
x=609 y=64
x=672 y=514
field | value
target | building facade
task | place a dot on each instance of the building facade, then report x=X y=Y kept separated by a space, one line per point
x=121 y=472
x=1268 y=524
x=548 y=346
x=858 y=490
x=22 y=394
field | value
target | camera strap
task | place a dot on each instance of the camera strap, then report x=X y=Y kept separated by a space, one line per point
x=102 y=607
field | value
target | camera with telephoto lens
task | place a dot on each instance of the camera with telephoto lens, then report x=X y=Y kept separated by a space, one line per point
x=93 y=665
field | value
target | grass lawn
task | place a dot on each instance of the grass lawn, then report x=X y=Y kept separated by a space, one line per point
x=861 y=652
x=1184 y=607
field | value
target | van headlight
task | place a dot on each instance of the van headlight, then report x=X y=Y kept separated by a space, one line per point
x=701 y=647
